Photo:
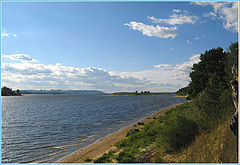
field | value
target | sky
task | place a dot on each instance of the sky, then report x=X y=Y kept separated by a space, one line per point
x=110 y=46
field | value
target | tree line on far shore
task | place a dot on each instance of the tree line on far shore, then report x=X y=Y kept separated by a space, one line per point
x=5 y=91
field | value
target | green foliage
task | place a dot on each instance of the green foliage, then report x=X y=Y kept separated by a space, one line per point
x=210 y=85
x=105 y=158
x=132 y=131
x=212 y=61
x=174 y=130
x=158 y=159
x=183 y=91
x=5 y=91
x=87 y=159
x=233 y=55
x=178 y=132
x=127 y=156
x=140 y=123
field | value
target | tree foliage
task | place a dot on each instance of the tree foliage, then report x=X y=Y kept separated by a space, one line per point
x=210 y=85
x=5 y=91
x=212 y=62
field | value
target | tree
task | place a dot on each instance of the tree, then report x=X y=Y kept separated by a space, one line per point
x=18 y=92
x=183 y=91
x=5 y=91
x=212 y=62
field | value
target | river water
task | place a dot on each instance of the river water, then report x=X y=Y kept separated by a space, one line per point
x=45 y=128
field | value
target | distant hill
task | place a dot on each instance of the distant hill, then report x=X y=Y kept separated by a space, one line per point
x=61 y=92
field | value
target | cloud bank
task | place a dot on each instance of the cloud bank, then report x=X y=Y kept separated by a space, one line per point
x=23 y=73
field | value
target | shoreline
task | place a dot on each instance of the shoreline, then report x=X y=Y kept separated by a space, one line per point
x=180 y=96
x=106 y=143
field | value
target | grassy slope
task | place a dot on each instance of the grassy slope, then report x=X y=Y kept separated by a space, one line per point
x=218 y=145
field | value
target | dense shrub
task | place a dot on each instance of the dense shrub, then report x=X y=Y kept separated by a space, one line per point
x=177 y=132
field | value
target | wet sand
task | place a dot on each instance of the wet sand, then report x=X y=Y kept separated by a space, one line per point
x=104 y=145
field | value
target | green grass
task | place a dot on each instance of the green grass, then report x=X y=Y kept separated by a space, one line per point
x=105 y=158
x=175 y=136
x=216 y=146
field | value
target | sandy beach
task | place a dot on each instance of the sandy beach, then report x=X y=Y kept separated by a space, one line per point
x=104 y=145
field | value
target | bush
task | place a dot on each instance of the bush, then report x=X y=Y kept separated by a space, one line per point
x=140 y=123
x=177 y=132
x=105 y=158
x=132 y=131
x=121 y=143
x=126 y=156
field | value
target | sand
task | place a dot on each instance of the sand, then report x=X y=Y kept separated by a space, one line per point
x=97 y=149
x=180 y=96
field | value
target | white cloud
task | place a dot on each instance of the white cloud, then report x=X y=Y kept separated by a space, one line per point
x=226 y=11
x=153 y=31
x=163 y=66
x=20 y=57
x=162 y=77
x=211 y=15
x=5 y=34
x=176 y=76
x=176 y=10
x=26 y=75
x=176 y=19
x=188 y=42
x=196 y=38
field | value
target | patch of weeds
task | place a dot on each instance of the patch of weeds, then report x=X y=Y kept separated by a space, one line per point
x=132 y=131
x=87 y=159
x=105 y=158
x=140 y=123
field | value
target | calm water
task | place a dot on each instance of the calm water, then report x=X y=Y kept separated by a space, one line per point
x=44 y=128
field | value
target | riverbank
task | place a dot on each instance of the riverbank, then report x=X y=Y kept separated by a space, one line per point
x=180 y=96
x=91 y=152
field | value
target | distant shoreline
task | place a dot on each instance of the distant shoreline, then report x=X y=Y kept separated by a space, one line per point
x=143 y=93
x=103 y=145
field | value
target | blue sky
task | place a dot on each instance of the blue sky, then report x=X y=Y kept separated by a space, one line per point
x=110 y=46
